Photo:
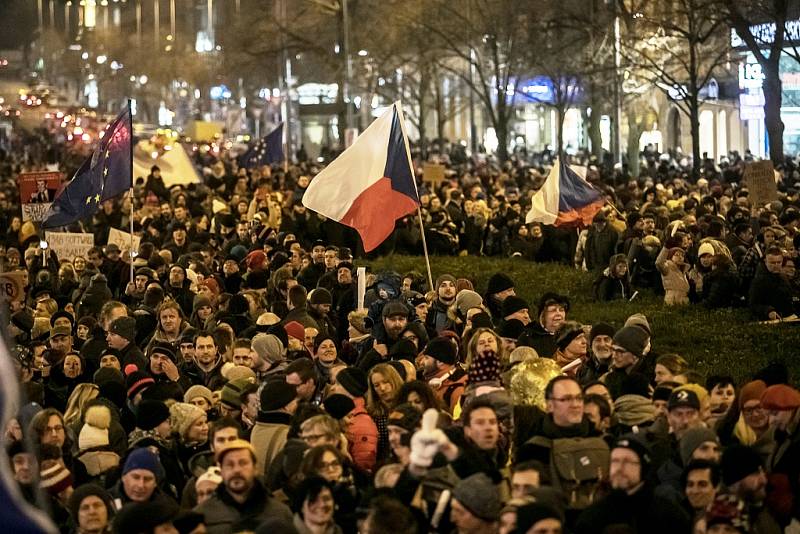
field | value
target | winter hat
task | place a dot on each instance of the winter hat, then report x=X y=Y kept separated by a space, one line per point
x=400 y=368
x=513 y=304
x=483 y=320
x=231 y=395
x=467 y=299
x=137 y=517
x=683 y=398
x=639 y=319
x=632 y=410
x=200 y=301
x=751 y=391
x=393 y=308
x=484 y=368
x=499 y=282
x=238 y=372
x=705 y=248
x=198 y=391
x=268 y=347
x=94 y=433
x=728 y=509
x=256 y=260
x=276 y=395
x=462 y=284
x=89 y=490
x=320 y=296
x=338 y=405
x=530 y=514
x=233 y=445
x=479 y=495
x=404 y=416
x=692 y=439
x=143 y=458
x=633 y=442
x=601 y=329
x=238 y=305
x=633 y=339
x=137 y=382
x=353 y=380
x=738 y=462
x=295 y=330
x=403 y=349
x=567 y=332
x=780 y=397
x=59 y=314
x=124 y=327
x=162 y=347
x=663 y=391
x=267 y=319
x=674 y=250
x=511 y=329
x=183 y=415
x=358 y=320
x=151 y=413
x=55 y=479
x=441 y=349
x=550 y=298
x=212 y=475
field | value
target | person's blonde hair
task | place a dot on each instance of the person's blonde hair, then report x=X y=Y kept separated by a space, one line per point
x=375 y=407
x=78 y=399
x=329 y=426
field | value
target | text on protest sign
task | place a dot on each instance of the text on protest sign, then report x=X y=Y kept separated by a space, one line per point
x=12 y=286
x=36 y=193
x=69 y=245
x=760 y=179
x=123 y=240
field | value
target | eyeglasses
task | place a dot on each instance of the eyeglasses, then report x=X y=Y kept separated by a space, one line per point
x=569 y=399
x=753 y=409
x=624 y=462
x=335 y=464
x=312 y=437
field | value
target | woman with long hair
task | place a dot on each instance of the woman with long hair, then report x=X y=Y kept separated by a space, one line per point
x=384 y=386
x=76 y=405
x=419 y=395
x=328 y=462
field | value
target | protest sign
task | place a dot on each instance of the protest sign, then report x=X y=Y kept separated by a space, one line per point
x=760 y=179
x=123 y=240
x=69 y=245
x=12 y=286
x=36 y=193
x=433 y=173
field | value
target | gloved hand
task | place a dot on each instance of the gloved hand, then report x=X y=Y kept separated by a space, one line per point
x=425 y=442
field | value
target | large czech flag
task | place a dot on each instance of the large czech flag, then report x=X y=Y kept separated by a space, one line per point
x=565 y=199
x=371 y=184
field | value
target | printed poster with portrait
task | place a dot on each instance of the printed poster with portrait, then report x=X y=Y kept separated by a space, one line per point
x=36 y=193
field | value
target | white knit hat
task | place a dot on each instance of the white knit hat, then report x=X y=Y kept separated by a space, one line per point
x=95 y=428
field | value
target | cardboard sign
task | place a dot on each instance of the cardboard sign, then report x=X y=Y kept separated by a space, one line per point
x=12 y=286
x=69 y=245
x=36 y=193
x=433 y=173
x=760 y=179
x=123 y=240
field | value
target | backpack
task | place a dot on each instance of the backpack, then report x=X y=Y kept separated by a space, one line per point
x=578 y=466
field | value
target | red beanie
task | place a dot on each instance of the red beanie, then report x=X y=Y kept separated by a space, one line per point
x=751 y=391
x=780 y=397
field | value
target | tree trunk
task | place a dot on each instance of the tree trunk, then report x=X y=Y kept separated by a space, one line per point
x=694 y=120
x=634 y=134
x=423 y=116
x=560 y=131
x=772 y=112
x=595 y=137
x=502 y=137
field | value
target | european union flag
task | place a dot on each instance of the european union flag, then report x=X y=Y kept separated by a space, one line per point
x=268 y=150
x=103 y=176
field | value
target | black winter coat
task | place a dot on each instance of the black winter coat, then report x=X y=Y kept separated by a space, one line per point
x=642 y=512
x=770 y=292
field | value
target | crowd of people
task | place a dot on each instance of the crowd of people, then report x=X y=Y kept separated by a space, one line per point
x=234 y=384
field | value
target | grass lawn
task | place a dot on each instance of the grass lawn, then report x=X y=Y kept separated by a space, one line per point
x=714 y=342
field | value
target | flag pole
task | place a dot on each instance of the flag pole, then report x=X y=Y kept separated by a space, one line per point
x=133 y=205
x=414 y=180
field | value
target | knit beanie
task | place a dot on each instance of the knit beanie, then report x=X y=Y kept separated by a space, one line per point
x=94 y=432
x=484 y=368
x=780 y=397
x=483 y=320
x=268 y=347
x=231 y=395
x=212 y=474
x=601 y=329
x=479 y=495
x=353 y=380
x=497 y=283
x=358 y=320
x=549 y=299
x=441 y=349
x=137 y=382
x=239 y=372
x=634 y=443
x=692 y=439
x=89 y=490
x=511 y=329
x=738 y=462
x=640 y=320
x=183 y=415
x=150 y=414
x=751 y=391
x=567 y=332
x=320 y=295
x=198 y=391
x=124 y=327
x=55 y=479
x=338 y=405
x=200 y=301
x=632 y=410
x=162 y=347
x=143 y=458
x=276 y=394
x=663 y=391
x=295 y=330
x=466 y=300
x=403 y=349
x=633 y=339
x=530 y=514
x=137 y=517
x=513 y=304
x=445 y=278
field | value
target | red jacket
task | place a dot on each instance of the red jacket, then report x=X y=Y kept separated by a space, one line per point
x=362 y=436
